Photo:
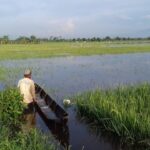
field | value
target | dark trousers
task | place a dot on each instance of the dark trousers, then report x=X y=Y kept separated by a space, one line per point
x=30 y=108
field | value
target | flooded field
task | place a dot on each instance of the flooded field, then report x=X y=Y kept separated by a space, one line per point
x=67 y=76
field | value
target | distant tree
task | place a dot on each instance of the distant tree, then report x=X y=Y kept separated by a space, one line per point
x=78 y=39
x=74 y=39
x=148 y=38
x=23 y=40
x=124 y=39
x=98 y=39
x=84 y=39
x=117 y=38
x=107 y=38
x=55 y=38
x=93 y=39
x=51 y=38
x=0 y=40
x=5 y=39
x=33 y=39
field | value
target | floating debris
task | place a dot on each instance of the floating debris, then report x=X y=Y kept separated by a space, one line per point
x=66 y=102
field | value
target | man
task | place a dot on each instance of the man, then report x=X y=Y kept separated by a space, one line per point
x=27 y=89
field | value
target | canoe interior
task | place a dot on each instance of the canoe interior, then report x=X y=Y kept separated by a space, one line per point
x=58 y=110
x=58 y=128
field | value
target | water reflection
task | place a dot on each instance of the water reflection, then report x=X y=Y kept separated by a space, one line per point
x=29 y=122
x=58 y=128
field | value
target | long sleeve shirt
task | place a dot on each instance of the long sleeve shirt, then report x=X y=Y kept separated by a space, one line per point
x=27 y=89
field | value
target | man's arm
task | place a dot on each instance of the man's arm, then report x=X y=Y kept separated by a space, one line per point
x=18 y=84
x=33 y=91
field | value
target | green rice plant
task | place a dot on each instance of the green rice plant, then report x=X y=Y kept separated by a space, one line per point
x=124 y=111
x=53 y=49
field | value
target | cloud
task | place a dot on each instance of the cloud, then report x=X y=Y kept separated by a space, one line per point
x=61 y=27
x=68 y=26
x=146 y=17
x=74 y=18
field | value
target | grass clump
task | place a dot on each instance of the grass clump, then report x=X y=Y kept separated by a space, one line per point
x=124 y=111
x=11 y=135
x=33 y=140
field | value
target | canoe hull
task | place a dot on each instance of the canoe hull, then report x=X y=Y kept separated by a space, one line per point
x=57 y=110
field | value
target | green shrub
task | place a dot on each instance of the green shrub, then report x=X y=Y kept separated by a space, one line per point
x=11 y=135
x=11 y=106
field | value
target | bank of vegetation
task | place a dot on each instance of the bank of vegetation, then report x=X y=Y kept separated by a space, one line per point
x=36 y=40
x=11 y=135
x=124 y=111
x=53 y=49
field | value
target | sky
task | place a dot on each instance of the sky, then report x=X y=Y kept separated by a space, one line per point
x=75 y=18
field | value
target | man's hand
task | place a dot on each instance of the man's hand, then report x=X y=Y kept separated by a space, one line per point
x=34 y=100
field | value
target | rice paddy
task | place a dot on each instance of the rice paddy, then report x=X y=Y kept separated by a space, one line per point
x=52 y=49
x=124 y=111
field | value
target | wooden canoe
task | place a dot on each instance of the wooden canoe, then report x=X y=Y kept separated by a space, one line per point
x=59 y=112
x=58 y=128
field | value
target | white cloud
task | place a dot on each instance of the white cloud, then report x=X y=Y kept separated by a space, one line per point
x=69 y=26
x=63 y=25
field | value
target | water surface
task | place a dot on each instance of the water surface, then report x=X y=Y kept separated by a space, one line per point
x=67 y=76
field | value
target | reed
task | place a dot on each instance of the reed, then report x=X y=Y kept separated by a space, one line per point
x=124 y=111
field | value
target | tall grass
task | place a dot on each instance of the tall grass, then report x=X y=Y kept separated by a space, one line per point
x=124 y=111
x=11 y=135
x=33 y=140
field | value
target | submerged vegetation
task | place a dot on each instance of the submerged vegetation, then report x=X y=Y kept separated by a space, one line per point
x=11 y=135
x=2 y=73
x=50 y=49
x=124 y=111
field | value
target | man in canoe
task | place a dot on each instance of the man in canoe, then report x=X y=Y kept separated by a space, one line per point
x=27 y=89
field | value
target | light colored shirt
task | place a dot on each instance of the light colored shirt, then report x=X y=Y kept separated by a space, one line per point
x=27 y=89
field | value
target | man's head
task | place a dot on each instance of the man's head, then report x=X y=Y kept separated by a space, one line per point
x=27 y=73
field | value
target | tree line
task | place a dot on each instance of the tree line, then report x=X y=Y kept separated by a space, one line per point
x=35 y=40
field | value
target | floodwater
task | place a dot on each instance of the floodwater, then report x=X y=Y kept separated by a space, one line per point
x=64 y=77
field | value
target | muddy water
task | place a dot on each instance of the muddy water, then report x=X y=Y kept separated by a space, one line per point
x=67 y=76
